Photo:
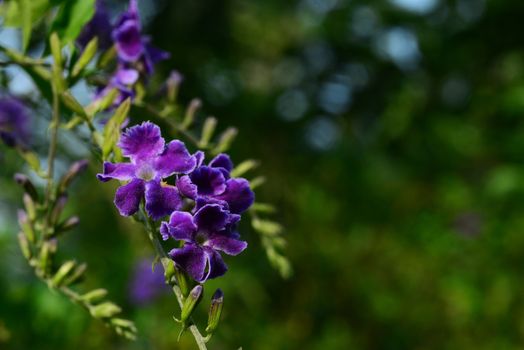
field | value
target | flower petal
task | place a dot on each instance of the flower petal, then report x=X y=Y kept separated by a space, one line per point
x=209 y=181
x=126 y=76
x=128 y=197
x=117 y=171
x=181 y=226
x=161 y=200
x=128 y=40
x=142 y=142
x=192 y=259
x=174 y=159
x=211 y=218
x=164 y=230
x=216 y=265
x=228 y=245
x=186 y=187
x=199 y=156
x=222 y=161
x=238 y=195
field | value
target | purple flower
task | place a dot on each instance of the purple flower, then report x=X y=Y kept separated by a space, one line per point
x=99 y=26
x=213 y=184
x=147 y=284
x=151 y=162
x=132 y=47
x=14 y=122
x=123 y=80
x=210 y=230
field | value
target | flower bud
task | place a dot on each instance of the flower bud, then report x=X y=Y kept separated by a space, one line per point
x=77 y=275
x=27 y=185
x=215 y=311
x=172 y=85
x=68 y=224
x=62 y=273
x=191 y=302
x=24 y=245
x=46 y=254
x=105 y=310
x=94 y=295
x=29 y=207
x=225 y=140
x=59 y=207
x=207 y=131
x=26 y=226
x=189 y=118
x=74 y=170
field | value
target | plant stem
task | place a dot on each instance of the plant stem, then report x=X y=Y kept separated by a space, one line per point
x=55 y=121
x=164 y=259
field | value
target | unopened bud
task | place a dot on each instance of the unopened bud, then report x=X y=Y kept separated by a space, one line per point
x=27 y=185
x=189 y=118
x=172 y=85
x=215 y=311
x=207 y=131
x=59 y=207
x=105 y=310
x=77 y=275
x=26 y=225
x=191 y=302
x=29 y=207
x=225 y=140
x=74 y=170
x=24 y=245
x=62 y=273
x=68 y=224
x=46 y=254
x=244 y=167
x=94 y=295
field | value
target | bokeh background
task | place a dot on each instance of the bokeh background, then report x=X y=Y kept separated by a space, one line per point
x=391 y=134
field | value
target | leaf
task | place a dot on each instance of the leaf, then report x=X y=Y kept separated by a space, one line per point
x=72 y=17
x=112 y=128
x=25 y=14
x=86 y=56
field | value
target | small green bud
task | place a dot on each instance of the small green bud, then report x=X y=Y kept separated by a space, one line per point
x=107 y=57
x=62 y=273
x=26 y=225
x=77 y=275
x=105 y=310
x=225 y=140
x=207 y=131
x=73 y=171
x=94 y=295
x=27 y=185
x=191 y=302
x=29 y=207
x=24 y=245
x=67 y=225
x=215 y=311
x=189 y=117
x=244 y=167
x=169 y=271
x=58 y=208
x=47 y=251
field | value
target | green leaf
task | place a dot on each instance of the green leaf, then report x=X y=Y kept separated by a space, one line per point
x=72 y=104
x=86 y=57
x=72 y=17
x=112 y=128
x=25 y=14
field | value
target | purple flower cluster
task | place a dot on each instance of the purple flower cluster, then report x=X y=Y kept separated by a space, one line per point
x=217 y=199
x=136 y=56
x=14 y=122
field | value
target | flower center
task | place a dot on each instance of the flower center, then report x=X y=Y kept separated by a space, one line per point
x=201 y=238
x=145 y=173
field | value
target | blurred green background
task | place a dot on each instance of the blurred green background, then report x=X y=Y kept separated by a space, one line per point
x=391 y=134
